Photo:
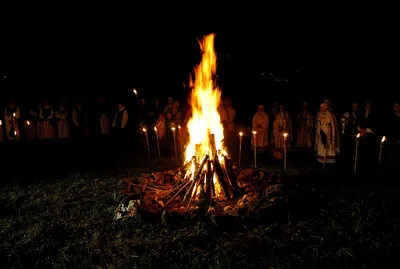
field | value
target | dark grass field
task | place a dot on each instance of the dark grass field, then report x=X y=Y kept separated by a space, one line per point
x=57 y=204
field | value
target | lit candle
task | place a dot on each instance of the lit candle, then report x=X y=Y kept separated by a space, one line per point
x=356 y=153
x=136 y=94
x=158 y=142
x=147 y=140
x=28 y=123
x=285 y=135
x=180 y=140
x=381 y=148
x=173 y=132
x=255 y=148
x=15 y=133
x=14 y=115
x=240 y=146
x=1 y=123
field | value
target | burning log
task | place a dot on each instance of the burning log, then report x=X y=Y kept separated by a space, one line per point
x=231 y=175
x=210 y=191
x=220 y=177
x=196 y=178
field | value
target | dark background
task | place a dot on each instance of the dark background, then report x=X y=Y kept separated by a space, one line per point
x=344 y=57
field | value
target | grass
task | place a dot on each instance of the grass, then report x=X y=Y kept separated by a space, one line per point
x=69 y=224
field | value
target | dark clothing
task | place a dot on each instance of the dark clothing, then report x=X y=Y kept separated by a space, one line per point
x=368 y=155
x=144 y=112
x=354 y=120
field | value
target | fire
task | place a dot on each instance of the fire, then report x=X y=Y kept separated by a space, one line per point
x=206 y=133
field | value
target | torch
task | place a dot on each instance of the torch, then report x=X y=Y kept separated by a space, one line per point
x=240 y=146
x=356 y=154
x=147 y=140
x=255 y=149
x=381 y=148
x=285 y=135
x=158 y=142
x=173 y=132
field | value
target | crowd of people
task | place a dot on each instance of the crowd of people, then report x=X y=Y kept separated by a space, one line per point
x=273 y=129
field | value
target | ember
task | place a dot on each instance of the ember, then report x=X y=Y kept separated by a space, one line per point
x=208 y=168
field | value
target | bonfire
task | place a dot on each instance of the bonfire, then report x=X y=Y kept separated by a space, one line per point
x=208 y=173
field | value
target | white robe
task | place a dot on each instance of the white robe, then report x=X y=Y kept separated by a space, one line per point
x=305 y=125
x=282 y=124
x=327 y=123
x=260 y=124
x=12 y=122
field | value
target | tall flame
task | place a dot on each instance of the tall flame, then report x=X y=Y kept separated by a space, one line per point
x=204 y=100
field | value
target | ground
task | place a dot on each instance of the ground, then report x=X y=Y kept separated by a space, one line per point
x=56 y=213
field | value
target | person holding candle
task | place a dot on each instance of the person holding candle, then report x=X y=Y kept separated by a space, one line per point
x=120 y=123
x=62 y=118
x=367 y=152
x=260 y=124
x=161 y=132
x=304 y=126
x=327 y=142
x=46 y=117
x=12 y=115
x=282 y=124
x=31 y=123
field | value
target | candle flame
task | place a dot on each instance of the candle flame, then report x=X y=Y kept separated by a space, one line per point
x=285 y=135
x=27 y=122
x=179 y=126
x=144 y=129
x=1 y=123
x=155 y=129
x=15 y=132
x=254 y=132
x=173 y=129
x=14 y=114
x=383 y=139
x=240 y=133
x=358 y=135
x=134 y=91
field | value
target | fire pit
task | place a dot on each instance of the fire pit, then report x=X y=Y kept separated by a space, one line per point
x=208 y=176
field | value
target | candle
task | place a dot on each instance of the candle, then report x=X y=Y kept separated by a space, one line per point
x=180 y=140
x=381 y=148
x=158 y=142
x=240 y=146
x=173 y=132
x=255 y=149
x=356 y=153
x=28 y=123
x=1 y=123
x=14 y=115
x=147 y=140
x=285 y=135
x=15 y=133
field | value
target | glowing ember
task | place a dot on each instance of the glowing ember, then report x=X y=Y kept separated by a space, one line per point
x=205 y=155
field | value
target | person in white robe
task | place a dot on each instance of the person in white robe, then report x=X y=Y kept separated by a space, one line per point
x=12 y=115
x=327 y=143
x=260 y=124
x=305 y=126
x=46 y=117
x=80 y=121
x=63 y=125
x=282 y=124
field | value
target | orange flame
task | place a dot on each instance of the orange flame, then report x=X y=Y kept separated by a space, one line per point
x=205 y=100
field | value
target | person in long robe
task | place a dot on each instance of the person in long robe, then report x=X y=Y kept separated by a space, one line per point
x=229 y=127
x=282 y=124
x=370 y=117
x=63 y=125
x=327 y=142
x=271 y=113
x=352 y=119
x=305 y=126
x=161 y=133
x=12 y=115
x=104 y=117
x=46 y=117
x=260 y=124
x=168 y=107
x=367 y=152
x=120 y=123
x=31 y=124
x=169 y=136
x=176 y=113
x=80 y=122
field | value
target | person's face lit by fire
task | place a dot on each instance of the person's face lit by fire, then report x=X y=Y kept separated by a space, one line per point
x=260 y=108
x=161 y=117
x=169 y=116
x=355 y=107
x=119 y=105
x=282 y=108
x=170 y=101
x=323 y=107
x=396 y=108
x=367 y=107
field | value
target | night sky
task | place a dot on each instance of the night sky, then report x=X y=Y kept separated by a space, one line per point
x=62 y=57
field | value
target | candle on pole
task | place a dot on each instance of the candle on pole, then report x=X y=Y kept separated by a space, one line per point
x=381 y=148
x=285 y=135
x=158 y=142
x=240 y=146
x=356 y=153
x=147 y=140
x=180 y=140
x=255 y=149
x=173 y=132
